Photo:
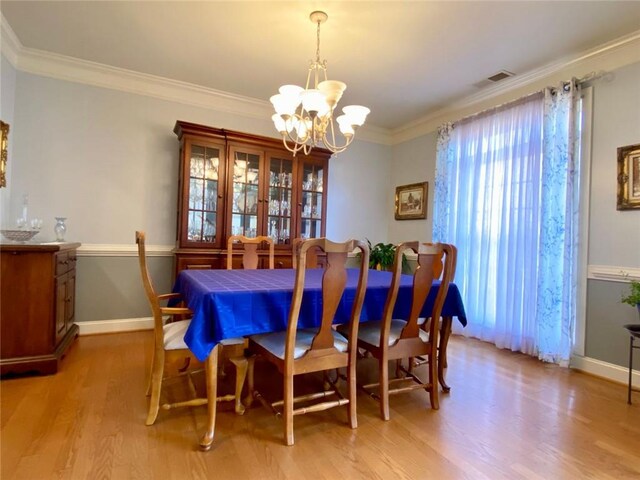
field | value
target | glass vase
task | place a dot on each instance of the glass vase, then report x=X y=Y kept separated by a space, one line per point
x=60 y=228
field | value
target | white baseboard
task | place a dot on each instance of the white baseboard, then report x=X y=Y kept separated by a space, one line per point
x=592 y=366
x=115 y=326
x=612 y=372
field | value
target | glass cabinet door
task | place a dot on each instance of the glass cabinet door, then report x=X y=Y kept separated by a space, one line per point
x=312 y=196
x=245 y=177
x=279 y=203
x=203 y=190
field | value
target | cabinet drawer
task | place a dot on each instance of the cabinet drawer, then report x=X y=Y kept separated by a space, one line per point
x=197 y=263
x=65 y=262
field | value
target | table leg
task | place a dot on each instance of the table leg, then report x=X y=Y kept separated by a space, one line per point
x=445 y=332
x=211 y=373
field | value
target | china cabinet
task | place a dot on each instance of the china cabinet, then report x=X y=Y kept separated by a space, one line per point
x=38 y=306
x=234 y=183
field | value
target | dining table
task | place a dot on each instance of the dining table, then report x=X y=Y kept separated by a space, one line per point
x=239 y=303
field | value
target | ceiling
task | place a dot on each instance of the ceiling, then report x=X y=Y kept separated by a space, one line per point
x=401 y=59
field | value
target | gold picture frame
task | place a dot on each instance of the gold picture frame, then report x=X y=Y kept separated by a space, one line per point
x=411 y=201
x=4 y=127
x=629 y=177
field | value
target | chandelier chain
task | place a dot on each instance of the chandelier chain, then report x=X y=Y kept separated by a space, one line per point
x=318 y=43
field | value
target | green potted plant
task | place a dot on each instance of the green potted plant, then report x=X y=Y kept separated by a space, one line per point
x=381 y=255
x=633 y=298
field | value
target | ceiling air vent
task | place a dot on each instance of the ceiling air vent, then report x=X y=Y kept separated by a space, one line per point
x=501 y=75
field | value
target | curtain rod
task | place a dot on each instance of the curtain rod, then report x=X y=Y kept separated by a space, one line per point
x=589 y=77
x=496 y=108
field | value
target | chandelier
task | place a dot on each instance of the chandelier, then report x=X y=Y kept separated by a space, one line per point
x=304 y=116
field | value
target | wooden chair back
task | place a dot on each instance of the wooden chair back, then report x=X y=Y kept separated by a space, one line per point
x=438 y=266
x=250 y=251
x=334 y=281
x=150 y=292
x=312 y=254
x=432 y=259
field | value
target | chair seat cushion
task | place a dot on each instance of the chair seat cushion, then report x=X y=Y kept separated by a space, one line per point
x=174 y=335
x=275 y=342
x=232 y=341
x=369 y=332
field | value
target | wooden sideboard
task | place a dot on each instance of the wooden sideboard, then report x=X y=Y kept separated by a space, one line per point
x=37 y=303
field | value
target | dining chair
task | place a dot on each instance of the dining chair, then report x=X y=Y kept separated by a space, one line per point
x=299 y=351
x=171 y=349
x=393 y=339
x=312 y=254
x=444 y=323
x=250 y=252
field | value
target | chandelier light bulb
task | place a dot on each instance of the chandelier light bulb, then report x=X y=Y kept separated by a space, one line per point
x=280 y=123
x=345 y=126
x=284 y=105
x=302 y=127
x=313 y=101
x=333 y=90
x=357 y=114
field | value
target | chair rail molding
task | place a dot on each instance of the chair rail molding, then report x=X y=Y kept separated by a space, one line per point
x=122 y=250
x=612 y=273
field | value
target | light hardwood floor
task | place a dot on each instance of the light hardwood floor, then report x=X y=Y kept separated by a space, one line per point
x=507 y=416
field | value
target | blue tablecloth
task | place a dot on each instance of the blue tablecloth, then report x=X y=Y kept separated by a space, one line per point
x=237 y=303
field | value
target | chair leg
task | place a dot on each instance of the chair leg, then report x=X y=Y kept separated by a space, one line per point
x=384 y=388
x=630 y=367
x=399 y=367
x=351 y=380
x=155 y=384
x=248 y=400
x=241 y=364
x=211 y=371
x=445 y=333
x=433 y=380
x=150 y=382
x=288 y=409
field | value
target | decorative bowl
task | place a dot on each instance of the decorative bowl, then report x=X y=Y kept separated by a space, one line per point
x=19 y=235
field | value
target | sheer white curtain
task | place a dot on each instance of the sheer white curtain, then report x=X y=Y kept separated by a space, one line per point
x=502 y=182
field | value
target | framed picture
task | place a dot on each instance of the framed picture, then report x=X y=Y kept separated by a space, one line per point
x=629 y=177
x=411 y=201
x=4 y=127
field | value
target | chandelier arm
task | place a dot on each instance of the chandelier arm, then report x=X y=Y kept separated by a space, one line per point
x=295 y=149
x=298 y=139
x=332 y=144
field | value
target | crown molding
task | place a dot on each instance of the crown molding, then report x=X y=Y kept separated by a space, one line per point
x=9 y=42
x=62 y=67
x=39 y=62
x=76 y=70
x=627 y=49
x=374 y=134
